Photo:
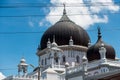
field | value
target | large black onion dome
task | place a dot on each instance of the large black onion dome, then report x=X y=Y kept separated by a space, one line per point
x=62 y=30
x=93 y=51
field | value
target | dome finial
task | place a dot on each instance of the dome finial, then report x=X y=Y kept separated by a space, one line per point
x=89 y=43
x=48 y=43
x=71 y=41
x=99 y=33
x=22 y=66
x=54 y=44
x=102 y=51
x=64 y=11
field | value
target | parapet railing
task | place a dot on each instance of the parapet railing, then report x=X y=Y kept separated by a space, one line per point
x=74 y=69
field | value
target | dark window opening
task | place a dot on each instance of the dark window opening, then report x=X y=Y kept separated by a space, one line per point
x=64 y=59
x=77 y=59
x=45 y=61
x=56 y=59
x=42 y=62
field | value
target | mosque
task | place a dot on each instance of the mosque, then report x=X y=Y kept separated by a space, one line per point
x=66 y=53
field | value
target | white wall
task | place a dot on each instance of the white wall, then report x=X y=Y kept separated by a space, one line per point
x=98 y=71
x=69 y=54
x=76 y=78
x=53 y=77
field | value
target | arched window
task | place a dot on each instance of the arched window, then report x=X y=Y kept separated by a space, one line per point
x=56 y=57
x=68 y=53
x=64 y=59
x=42 y=61
x=49 y=56
x=71 y=53
x=45 y=61
x=77 y=59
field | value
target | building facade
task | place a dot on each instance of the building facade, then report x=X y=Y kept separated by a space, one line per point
x=65 y=53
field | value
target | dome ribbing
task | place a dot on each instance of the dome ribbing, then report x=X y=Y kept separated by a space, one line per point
x=62 y=30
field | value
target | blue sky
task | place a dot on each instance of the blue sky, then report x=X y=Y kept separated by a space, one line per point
x=14 y=46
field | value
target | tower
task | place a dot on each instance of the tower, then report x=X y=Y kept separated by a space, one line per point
x=22 y=67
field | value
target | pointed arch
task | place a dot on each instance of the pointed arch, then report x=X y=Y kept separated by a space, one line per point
x=45 y=61
x=77 y=59
x=56 y=57
x=63 y=58
x=42 y=62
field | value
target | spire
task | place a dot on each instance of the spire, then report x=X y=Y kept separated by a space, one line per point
x=64 y=11
x=22 y=60
x=85 y=62
x=22 y=66
x=71 y=41
x=99 y=33
x=89 y=43
x=48 y=43
x=102 y=51
x=64 y=16
x=54 y=44
x=48 y=40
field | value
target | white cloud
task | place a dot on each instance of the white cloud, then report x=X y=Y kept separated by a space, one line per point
x=83 y=20
x=31 y=24
x=99 y=5
x=43 y=23
x=1 y=76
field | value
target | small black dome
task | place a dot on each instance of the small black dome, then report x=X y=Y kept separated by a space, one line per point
x=93 y=51
x=62 y=30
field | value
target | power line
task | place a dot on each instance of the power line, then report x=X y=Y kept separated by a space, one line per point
x=58 y=3
x=8 y=69
x=21 y=32
x=86 y=2
x=4 y=69
x=38 y=5
x=102 y=13
x=44 y=31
